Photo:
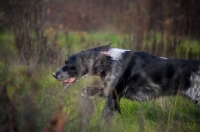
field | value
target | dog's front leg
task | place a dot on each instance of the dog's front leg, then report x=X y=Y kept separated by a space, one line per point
x=111 y=105
x=93 y=91
x=112 y=77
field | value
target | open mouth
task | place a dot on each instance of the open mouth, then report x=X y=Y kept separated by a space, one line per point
x=68 y=82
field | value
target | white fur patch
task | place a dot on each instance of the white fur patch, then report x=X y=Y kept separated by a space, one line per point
x=194 y=90
x=163 y=58
x=116 y=53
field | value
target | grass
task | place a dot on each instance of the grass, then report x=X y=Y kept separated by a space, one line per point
x=37 y=96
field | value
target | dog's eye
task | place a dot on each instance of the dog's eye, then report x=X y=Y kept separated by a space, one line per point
x=67 y=63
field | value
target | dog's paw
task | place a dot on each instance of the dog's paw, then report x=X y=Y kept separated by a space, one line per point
x=84 y=93
x=92 y=91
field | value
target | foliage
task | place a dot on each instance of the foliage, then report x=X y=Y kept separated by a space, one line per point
x=32 y=100
x=37 y=35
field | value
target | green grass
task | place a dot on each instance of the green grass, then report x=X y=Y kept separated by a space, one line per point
x=79 y=39
x=183 y=47
x=37 y=95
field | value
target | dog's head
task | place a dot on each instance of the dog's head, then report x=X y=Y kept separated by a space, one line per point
x=89 y=62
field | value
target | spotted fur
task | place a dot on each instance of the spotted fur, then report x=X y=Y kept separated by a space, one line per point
x=133 y=75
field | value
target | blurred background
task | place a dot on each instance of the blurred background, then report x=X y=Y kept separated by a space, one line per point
x=36 y=36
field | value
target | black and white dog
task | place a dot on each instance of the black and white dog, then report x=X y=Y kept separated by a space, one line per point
x=134 y=75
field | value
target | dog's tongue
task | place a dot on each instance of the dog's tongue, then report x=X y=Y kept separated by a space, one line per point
x=69 y=80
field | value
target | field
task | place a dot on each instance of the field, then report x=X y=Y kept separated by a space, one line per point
x=32 y=100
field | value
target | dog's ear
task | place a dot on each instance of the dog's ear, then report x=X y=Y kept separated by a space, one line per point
x=110 y=44
x=104 y=48
x=99 y=49
x=107 y=47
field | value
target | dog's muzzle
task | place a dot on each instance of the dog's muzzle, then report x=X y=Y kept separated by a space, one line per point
x=54 y=75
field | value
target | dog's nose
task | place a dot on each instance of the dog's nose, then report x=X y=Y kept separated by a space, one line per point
x=54 y=74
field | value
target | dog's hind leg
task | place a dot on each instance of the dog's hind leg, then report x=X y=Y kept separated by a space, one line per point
x=93 y=91
x=193 y=92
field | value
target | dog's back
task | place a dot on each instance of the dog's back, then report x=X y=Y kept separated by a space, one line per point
x=149 y=76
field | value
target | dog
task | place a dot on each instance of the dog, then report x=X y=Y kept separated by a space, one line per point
x=137 y=76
